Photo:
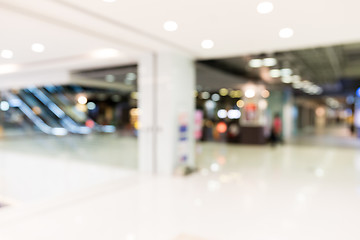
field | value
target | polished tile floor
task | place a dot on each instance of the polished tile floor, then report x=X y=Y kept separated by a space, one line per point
x=41 y=168
x=291 y=191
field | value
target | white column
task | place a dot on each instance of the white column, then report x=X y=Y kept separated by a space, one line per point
x=166 y=102
x=288 y=115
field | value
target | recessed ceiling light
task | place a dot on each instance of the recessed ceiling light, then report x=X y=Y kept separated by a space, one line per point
x=7 y=54
x=91 y=106
x=250 y=93
x=109 y=1
x=265 y=7
x=215 y=97
x=207 y=44
x=285 y=72
x=255 y=63
x=275 y=73
x=130 y=76
x=110 y=78
x=8 y=68
x=286 y=33
x=38 y=47
x=4 y=106
x=296 y=78
x=269 y=62
x=265 y=94
x=82 y=100
x=170 y=26
x=287 y=79
x=105 y=53
x=297 y=85
x=205 y=95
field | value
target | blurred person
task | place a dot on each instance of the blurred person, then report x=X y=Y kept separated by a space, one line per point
x=276 y=129
x=233 y=134
x=207 y=134
x=351 y=124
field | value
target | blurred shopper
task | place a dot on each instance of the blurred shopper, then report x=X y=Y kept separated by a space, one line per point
x=351 y=124
x=275 y=136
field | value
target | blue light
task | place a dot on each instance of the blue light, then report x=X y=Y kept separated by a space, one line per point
x=358 y=92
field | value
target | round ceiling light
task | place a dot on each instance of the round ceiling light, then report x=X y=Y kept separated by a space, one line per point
x=269 y=62
x=205 y=95
x=265 y=94
x=215 y=97
x=91 y=106
x=4 y=106
x=207 y=44
x=287 y=79
x=285 y=72
x=8 y=68
x=110 y=78
x=105 y=53
x=275 y=73
x=82 y=100
x=170 y=26
x=7 y=54
x=265 y=7
x=38 y=47
x=255 y=63
x=286 y=33
x=109 y=1
x=250 y=93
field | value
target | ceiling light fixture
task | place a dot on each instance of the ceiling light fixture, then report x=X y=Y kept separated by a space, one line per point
x=215 y=97
x=255 y=63
x=250 y=93
x=4 y=106
x=296 y=78
x=265 y=94
x=265 y=7
x=269 y=62
x=287 y=79
x=207 y=44
x=285 y=72
x=7 y=54
x=110 y=78
x=286 y=33
x=109 y=1
x=38 y=47
x=8 y=68
x=105 y=53
x=130 y=76
x=275 y=73
x=297 y=85
x=170 y=26
x=82 y=100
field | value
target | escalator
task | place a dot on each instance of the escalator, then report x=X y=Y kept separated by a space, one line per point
x=58 y=95
x=62 y=118
x=43 y=114
x=40 y=122
x=53 y=112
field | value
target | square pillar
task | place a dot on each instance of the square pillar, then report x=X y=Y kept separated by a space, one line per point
x=167 y=105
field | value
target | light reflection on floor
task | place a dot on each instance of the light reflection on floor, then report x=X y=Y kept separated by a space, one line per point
x=240 y=192
x=41 y=168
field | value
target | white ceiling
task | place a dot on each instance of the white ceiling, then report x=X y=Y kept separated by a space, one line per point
x=70 y=29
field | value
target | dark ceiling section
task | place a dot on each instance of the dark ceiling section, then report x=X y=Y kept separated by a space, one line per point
x=319 y=65
x=208 y=78
x=120 y=74
x=211 y=78
x=235 y=66
x=334 y=68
